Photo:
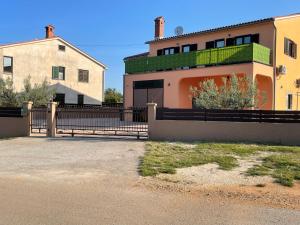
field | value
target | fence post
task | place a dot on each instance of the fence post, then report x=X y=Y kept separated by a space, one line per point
x=151 y=112
x=51 y=119
x=151 y=118
x=27 y=106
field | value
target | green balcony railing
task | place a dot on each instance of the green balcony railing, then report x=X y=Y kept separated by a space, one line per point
x=218 y=56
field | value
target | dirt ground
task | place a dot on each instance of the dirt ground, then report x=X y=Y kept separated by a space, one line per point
x=90 y=181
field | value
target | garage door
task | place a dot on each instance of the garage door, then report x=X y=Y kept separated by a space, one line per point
x=148 y=91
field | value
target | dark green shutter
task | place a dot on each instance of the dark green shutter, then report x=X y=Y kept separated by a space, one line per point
x=210 y=44
x=229 y=41
x=159 y=52
x=55 y=72
x=193 y=47
x=255 y=38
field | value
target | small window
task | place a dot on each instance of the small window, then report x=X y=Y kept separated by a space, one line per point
x=7 y=64
x=290 y=48
x=83 y=76
x=186 y=48
x=58 y=73
x=80 y=99
x=171 y=51
x=220 y=43
x=61 y=48
x=247 y=39
x=239 y=41
x=189 y=48
x=290 y=101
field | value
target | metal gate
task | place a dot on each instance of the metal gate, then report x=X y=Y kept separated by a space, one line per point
x=38 y=120
x=102 y=121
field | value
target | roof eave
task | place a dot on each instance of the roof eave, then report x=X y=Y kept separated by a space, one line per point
x=271 y=19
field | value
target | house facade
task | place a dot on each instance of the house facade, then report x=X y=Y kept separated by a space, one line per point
x=263 y=50
x=76 y=77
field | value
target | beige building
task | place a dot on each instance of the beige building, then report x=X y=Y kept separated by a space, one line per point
x=76 y=77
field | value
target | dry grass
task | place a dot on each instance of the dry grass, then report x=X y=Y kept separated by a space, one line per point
x=283 y=164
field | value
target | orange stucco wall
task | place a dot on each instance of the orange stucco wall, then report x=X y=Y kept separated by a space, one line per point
x=177 y=83
x=266 y=31
x=285 y=84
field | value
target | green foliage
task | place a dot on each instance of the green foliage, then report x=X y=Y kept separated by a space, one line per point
x=283 y=163
x=39 y=94
x=8 y=97
x=113 y=96
x=236 y=93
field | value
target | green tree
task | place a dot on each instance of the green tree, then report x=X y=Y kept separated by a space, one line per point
x=39 y=94
x=235 y=93
x=113 y=96
x=8 y=97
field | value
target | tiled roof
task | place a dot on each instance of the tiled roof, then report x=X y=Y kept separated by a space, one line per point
x=54 y=38
x=214 y=30
x=137 y=56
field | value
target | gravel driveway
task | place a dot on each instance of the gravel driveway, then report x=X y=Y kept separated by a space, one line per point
x=91 y=181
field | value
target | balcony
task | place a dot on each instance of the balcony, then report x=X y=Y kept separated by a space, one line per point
x=209 y=57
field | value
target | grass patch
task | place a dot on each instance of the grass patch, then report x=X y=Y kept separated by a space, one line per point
x=161 y=157
x=166 y=158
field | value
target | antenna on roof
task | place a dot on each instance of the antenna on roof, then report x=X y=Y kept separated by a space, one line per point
x=178 y=30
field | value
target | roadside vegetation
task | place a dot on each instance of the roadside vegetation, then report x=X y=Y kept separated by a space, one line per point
x=39 y=94
x=283 y=162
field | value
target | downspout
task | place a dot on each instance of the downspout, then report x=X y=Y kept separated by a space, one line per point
x=274 y=65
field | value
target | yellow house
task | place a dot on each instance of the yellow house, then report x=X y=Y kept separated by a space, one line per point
x=264 y=50
x=76 y=77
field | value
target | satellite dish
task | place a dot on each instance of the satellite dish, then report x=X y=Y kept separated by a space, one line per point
x=178 y=30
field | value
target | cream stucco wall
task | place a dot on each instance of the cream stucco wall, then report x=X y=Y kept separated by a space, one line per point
x=35 y=59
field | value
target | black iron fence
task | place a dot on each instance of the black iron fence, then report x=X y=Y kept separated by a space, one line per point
x=39 y=120
x=261 y=116
x=92 y=106
x=102 y=120
x=10 y=112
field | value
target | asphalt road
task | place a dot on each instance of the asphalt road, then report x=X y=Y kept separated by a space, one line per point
x=94 y=181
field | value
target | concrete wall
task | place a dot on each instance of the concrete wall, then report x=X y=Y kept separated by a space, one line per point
x=175 y=130
x=35 y=59
x=14 y=126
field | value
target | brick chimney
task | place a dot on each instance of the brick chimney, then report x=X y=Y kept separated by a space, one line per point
x=50 y=31
x=159 y=27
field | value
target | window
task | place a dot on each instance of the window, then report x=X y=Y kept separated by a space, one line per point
x=7 y=64
x=220 y=43
x=58 y=73
x=215 y=44
x=189 y=48
x=290 y=101
x=168 y=51
x=61 y=48
x=80 y=99
x=60 y=98
x=83 y=76
x=247 y=39
x=239 y=41
x=290 y=48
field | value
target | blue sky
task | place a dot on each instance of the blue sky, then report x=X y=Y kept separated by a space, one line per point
x=111 y=30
